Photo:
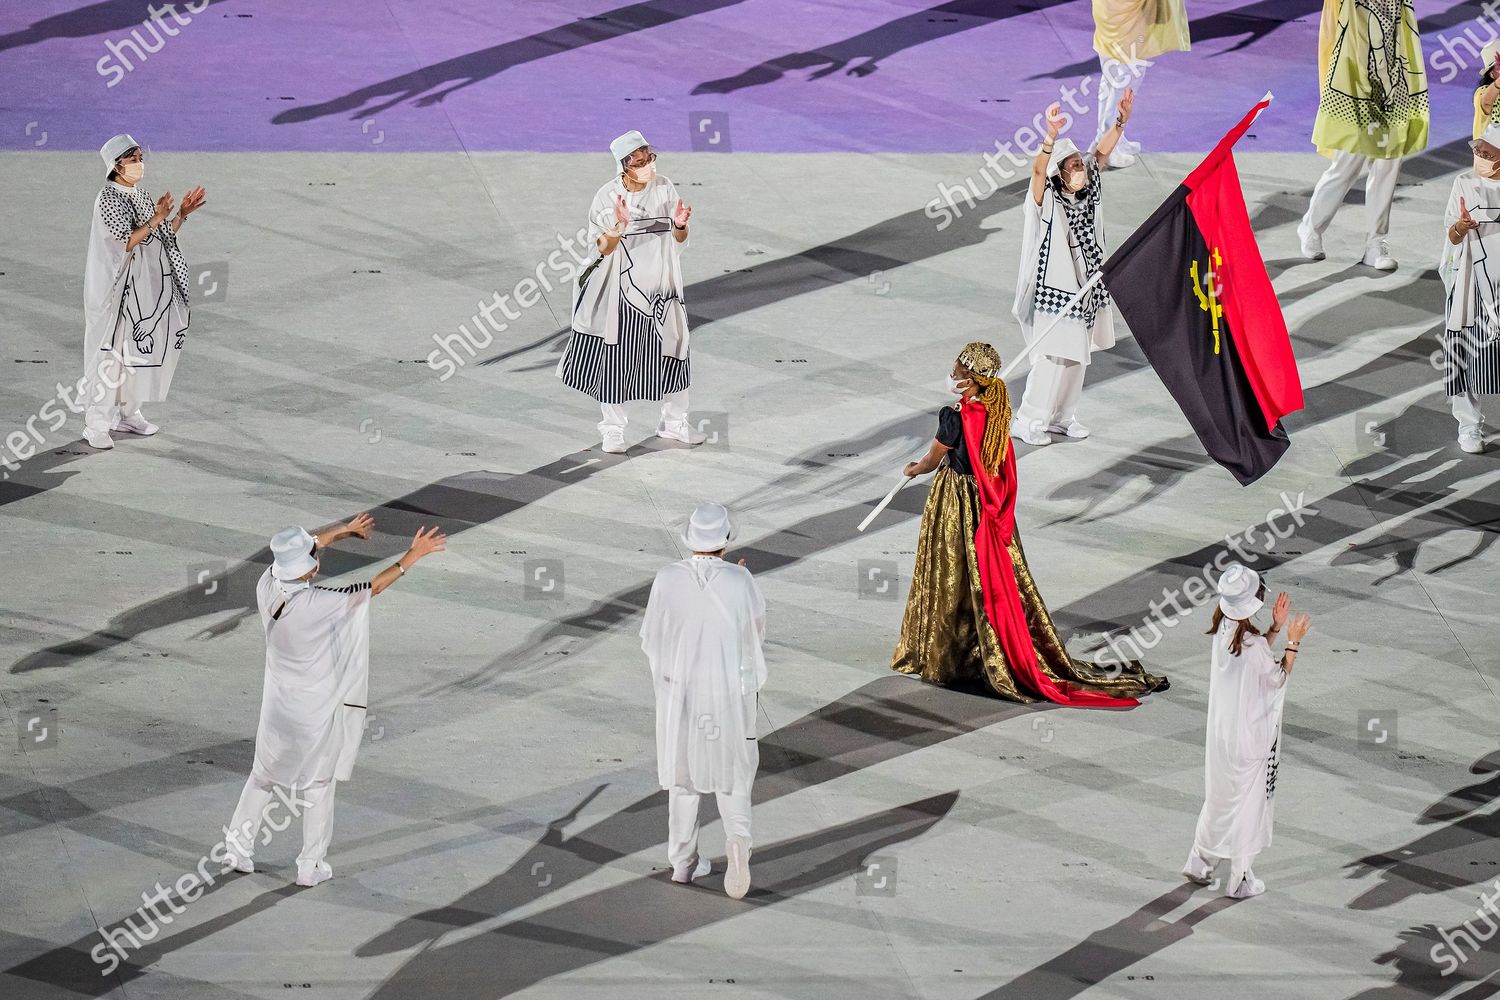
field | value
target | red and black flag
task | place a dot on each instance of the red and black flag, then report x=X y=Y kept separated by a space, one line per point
x=1193 y=287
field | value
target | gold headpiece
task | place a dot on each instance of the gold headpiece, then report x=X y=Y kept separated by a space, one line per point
x=983 y=361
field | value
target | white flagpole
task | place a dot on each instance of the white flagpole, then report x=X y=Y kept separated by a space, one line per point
x=1031 y=349
x=883 y=504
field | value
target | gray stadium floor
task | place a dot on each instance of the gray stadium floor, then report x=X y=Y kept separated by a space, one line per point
x=502 y=834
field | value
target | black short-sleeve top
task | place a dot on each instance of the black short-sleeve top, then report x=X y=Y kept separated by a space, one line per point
x=950 y=433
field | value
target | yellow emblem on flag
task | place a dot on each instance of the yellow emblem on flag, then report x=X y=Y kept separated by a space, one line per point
x=1209 y=301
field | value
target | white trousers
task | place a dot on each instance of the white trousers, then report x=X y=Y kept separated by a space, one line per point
x=258 y=801
x=674 y=412
x=1115 y=78
x=1380 y=189
x=1466 y=410
x=1053 y=388
x=118 y=403
x=682 y=823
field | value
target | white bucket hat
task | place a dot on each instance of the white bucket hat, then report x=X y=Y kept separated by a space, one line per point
x=115 y=148
x=708 y=529
x=1487 y=55
x=1061 y=150
x=1491 y=134
x=625 y=145
x=292 y=548
x=1238 y=587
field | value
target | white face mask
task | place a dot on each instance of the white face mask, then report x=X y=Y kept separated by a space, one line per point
x=132 y=172
x=643 y=175
x=1074 y=180
x=1485 y=168
x=957 y=386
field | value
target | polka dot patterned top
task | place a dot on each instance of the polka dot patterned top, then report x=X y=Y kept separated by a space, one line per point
x=127 y=209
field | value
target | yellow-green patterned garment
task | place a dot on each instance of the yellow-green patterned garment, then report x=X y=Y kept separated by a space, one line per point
x=946 y=637
x=1373 y=99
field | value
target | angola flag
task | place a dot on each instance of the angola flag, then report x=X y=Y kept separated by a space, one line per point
x=1193 y=287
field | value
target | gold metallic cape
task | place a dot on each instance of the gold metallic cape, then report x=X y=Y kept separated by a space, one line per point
x=946 y=637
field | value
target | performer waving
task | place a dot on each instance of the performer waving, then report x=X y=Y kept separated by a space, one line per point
x=1062 y=247
x=1471 y=332
x=974 y=613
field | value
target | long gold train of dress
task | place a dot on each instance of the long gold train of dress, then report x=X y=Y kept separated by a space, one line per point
x=946 y=637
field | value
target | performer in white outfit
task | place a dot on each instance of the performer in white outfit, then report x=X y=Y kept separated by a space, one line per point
x=1471 y=331
x=135 y=297
x=1246 y=687
x=1062 y=247
x=1372 y=112
x=312 y=712
x=704 y=625
x=1128 y=34
x=630 y=330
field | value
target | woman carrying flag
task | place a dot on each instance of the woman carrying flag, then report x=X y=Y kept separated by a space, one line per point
x=974 y=615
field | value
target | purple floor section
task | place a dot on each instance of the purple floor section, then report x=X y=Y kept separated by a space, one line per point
x=748 y=75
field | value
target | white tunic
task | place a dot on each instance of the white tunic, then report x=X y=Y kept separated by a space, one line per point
x=1245 y=695
x=312 y=713
x=1062 y=246
x=135 y=303
x=1472 y=282
x=644 y=268
x=704 y=625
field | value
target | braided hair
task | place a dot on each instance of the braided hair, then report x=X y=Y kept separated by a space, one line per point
x=982 y=362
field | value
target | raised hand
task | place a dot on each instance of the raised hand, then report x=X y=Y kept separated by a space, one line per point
x=622 y=211
x=1056 y=120
x=681 y=214
x=360 y=525
x=163 y=209
x=1127 y=104
x=427 y=541
x=1298 y=628
x=191 y=202
x=1280 y=610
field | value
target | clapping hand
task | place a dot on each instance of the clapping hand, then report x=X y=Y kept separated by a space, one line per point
x=191 y=202
x=1280 y=610
x=1466 y=223
x=622 y=213
x=681 y=214
x=1298 y=628
x=163 y=209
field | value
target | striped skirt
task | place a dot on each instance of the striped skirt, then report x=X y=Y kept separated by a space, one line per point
x=1470 y=364
x=632 y=368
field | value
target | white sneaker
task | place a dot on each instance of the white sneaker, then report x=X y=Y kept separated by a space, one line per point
x=1033 y=434
x=1245 y=887
x=1471 y=440
x=314 y=873
x=614 y=441
x=1198 y=869
x=1072 y=429
x=1118 y=159
x=98 y=439
x=686 y=874
x=737 y=876
x=136 y=424
x=238 y=863
x=1378 y=256
x=1311 y=242
x=682 y=433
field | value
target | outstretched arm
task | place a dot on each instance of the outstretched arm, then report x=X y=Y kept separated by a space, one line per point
x=1107 y=141
x=1055 y=123
x=424 y=543
x=358 y=527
